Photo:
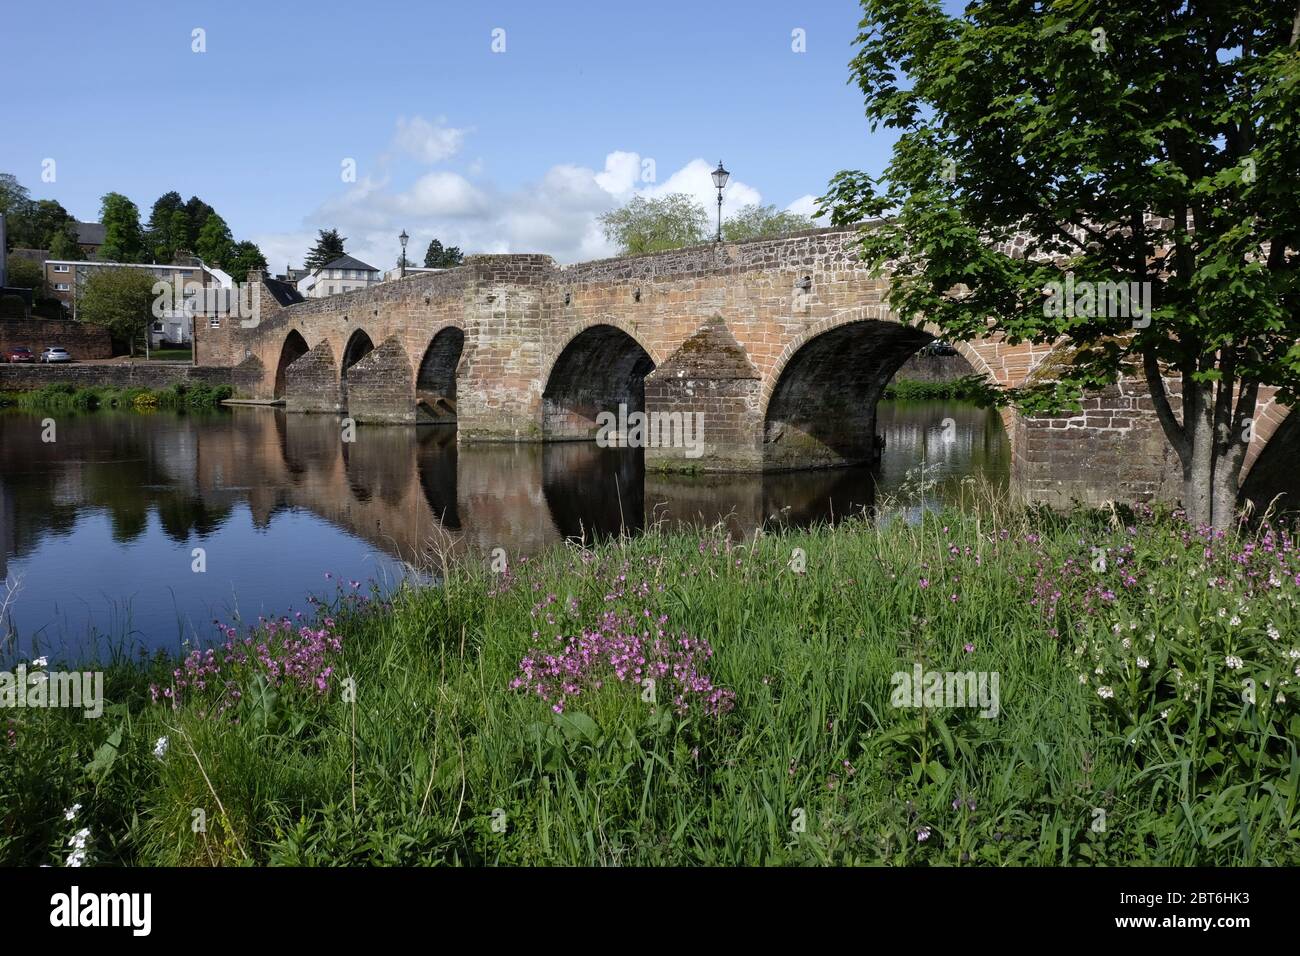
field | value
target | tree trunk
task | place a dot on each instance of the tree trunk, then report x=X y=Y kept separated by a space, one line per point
x=1227 y=469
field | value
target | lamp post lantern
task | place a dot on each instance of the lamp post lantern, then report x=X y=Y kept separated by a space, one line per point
x=402 y=239
x=720 y=177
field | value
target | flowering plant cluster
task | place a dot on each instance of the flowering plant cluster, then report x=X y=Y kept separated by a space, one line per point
x=627 y=643
x=1202 y=622
x=284 y=652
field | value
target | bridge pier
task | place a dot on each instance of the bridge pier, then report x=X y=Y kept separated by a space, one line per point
x=311 y=384
x=703 y=406
x=381 y=386
x=1112 y=450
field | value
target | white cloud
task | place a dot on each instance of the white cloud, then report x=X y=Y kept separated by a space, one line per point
x=695 y=179
x=807 y=206
x=556 y=215
x=428 y=142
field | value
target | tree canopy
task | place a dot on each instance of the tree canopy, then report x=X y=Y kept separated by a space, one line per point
x=655 y=224
x=756 y=221
x=329 y=246
x=123 y=236
x=439 y=257
x=1110 y=146
x=121 y=300
x=215 y=245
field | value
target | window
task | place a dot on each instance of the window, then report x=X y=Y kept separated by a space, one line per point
x=61 y=287
x=63 y=268
x=157 y=326
x=214 y=322
x=187 y=273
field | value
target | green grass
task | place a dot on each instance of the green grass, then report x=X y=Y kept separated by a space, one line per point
x=64 y=396
x=436 y=760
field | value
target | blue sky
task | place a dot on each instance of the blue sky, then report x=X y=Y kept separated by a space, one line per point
x=512 y=151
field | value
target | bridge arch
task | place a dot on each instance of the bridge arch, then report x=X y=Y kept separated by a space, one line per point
x=358 y=347
x=598 y=369
x=293 y=348
x=819 y=401
x=435 y=380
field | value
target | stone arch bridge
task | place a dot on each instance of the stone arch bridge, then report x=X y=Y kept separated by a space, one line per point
x=783 y=346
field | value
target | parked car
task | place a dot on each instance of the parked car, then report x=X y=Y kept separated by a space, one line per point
x=19 y=353
x=55 y=354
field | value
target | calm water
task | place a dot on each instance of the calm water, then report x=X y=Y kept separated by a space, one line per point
x=98 y=529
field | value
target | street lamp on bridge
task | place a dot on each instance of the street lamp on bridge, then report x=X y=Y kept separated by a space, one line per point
x=402 y=239
x=720 y=176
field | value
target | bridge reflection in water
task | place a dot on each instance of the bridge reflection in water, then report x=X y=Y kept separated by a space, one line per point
x=112 y=511
x=413 y=492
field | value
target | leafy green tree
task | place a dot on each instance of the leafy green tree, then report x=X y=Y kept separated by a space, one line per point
x=26 y=274
x=121 y=300
x=196 y=213
x=329 y=246
x=215 y=246
x=246 y=257
x=1104 y=143
x=439 y=257
x=162 y=235
x=179 y=233
x=14 y=204
x=44 y=219
x=65 y=244
x=123 y=237
x=755 y=222
x=652 y=225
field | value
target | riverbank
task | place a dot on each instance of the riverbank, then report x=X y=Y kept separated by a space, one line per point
x=684 y=699
x=965 y=388
x=65 y=396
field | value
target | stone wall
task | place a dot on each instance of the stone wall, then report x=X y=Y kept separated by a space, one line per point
x=806 y=321
x=1112 y=450
x=82 y=340
x=154 y=375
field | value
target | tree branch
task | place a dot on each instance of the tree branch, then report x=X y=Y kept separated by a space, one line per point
x=1174 y=430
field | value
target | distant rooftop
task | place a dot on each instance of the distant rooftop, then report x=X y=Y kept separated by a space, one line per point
x=347 y=262
x=90 y=233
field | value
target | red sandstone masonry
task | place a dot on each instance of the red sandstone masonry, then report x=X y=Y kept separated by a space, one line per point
x=523 y=374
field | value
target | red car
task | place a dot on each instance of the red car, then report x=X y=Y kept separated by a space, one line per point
x=19 y=353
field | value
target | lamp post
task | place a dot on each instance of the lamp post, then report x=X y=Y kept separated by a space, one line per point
x=402 y=239
x=720 y=176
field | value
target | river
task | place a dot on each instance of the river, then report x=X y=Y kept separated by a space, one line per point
x=136 y=530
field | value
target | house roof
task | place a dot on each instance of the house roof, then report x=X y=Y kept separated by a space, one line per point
x=90 y=233
x=284 y=293
x=347 y=262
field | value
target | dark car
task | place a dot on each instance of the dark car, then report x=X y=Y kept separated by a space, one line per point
x=19 y=353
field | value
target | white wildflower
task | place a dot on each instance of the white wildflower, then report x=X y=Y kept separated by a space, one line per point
x=1232 y=661
x=1106 y=693
x=71 y=812
x=160 y=748
x=1143 y=663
